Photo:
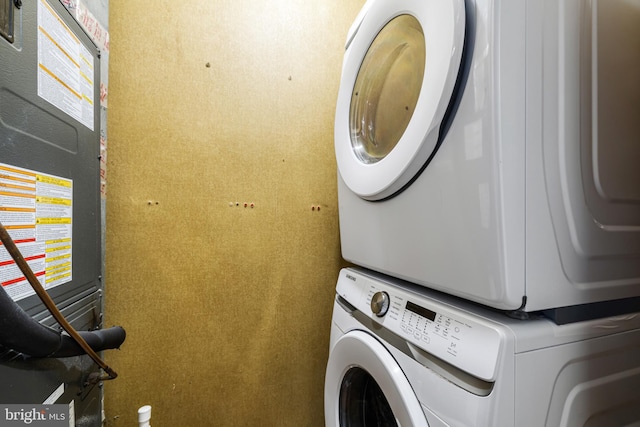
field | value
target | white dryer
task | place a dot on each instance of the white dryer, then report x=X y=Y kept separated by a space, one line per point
x=490 y=149
x=402 y=355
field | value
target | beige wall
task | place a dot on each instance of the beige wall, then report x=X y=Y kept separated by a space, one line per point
x=227 y=308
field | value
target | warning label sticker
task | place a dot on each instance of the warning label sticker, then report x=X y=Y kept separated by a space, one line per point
x=36 y=209
x=65 y=67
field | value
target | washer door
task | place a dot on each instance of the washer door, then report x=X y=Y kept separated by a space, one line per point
x=398 y=79
x=365 y=386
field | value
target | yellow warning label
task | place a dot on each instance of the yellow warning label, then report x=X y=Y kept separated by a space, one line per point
x=53 y=242
x=58 y=248
x=58 y=258
x=56 y=278
x=53 y=201
x=59 y=269
x=46 y=221
x=53 y=180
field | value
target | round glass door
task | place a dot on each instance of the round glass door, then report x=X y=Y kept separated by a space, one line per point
x=387 y=87
x=398 y=79
x=365 y=386
x=362 y=403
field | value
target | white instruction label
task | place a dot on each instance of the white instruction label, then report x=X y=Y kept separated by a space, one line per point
x=65 y=67
x=36 y=209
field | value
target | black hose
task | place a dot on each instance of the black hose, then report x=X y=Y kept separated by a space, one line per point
x=22 y=333
x=103 y=339
x=13 y=250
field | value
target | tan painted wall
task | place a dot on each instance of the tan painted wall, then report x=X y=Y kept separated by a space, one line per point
x=227 y=308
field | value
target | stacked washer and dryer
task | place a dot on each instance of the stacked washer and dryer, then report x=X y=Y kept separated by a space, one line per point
x=489 y=193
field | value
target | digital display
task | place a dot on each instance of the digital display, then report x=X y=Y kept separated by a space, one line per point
x=424 y=312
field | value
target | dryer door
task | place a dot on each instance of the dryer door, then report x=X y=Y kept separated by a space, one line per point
x=398 y=78
x=365 y=386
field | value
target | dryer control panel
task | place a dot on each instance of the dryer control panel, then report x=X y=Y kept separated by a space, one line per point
x=460 y=338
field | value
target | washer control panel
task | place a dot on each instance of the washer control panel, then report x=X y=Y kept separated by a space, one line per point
x=460 y=338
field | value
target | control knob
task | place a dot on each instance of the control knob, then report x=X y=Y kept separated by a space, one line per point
x=380 y=303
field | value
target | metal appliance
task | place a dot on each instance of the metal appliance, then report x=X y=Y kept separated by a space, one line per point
x=50 y=196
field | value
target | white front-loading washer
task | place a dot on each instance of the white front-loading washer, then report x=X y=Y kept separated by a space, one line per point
x=403 y=355
x=489 y=149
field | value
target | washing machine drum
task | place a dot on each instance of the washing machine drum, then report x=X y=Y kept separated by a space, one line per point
x=398 y=78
